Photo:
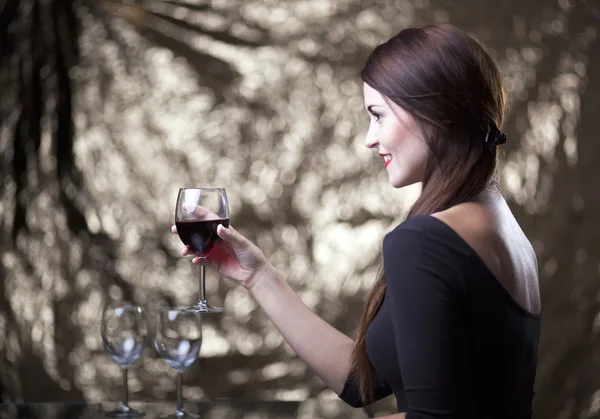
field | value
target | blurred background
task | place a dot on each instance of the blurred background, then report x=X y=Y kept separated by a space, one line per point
x=107 y=107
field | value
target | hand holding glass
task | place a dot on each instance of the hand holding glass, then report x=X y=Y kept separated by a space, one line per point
x=178 y=340
x=198 y=212
x=124 y=331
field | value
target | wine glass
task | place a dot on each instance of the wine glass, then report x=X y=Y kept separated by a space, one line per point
x=124 y=331
x=178 y=340
x=198 y=212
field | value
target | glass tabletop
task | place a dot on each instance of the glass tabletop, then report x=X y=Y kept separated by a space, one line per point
x=224 y=409
x=220 y=409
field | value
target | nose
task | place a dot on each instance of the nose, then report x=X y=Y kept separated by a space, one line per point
x=371 y=140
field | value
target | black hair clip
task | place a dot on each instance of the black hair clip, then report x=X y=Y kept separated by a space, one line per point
x=495 y=136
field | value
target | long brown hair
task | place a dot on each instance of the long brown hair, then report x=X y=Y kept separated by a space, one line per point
x=453 y=89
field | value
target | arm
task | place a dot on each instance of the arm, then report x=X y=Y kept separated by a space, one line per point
x=325 y=349
x=426 y=299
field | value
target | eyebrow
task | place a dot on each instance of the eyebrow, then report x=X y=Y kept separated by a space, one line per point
x=370 y=107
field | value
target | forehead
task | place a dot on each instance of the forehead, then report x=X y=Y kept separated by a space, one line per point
x=372 y=96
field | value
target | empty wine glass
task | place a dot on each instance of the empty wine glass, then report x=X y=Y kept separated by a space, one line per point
x=198 y=213
x=124 y=333
x=178 y=340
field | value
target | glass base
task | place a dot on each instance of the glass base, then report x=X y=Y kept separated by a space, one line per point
x=180 y=414
x=124 y=412
x=203 y=307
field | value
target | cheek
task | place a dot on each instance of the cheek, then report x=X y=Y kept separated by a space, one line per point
x=391 y=140
x=400 y=147
x=410 y=154
x=419 y=159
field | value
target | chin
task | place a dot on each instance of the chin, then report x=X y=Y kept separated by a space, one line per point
x=402 y=183
x=402 y=180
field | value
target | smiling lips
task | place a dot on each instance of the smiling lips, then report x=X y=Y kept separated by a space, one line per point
x=387 y=158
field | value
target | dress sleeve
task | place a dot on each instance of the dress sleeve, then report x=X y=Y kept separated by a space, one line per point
x=426 y=294
x=351 y=395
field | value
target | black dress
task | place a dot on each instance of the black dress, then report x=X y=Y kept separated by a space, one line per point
x=448 y=341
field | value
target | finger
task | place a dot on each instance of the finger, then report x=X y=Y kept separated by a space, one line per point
x=186 y=251
x=174 y=229
x=200 y=211
x=231 y=236
x=219 y=261
x=227 y=250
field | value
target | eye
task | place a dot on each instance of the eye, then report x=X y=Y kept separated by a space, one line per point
x=377 y=115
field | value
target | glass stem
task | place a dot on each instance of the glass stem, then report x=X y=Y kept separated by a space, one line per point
x=179 y=396
x=201 y=286
x=125 y=384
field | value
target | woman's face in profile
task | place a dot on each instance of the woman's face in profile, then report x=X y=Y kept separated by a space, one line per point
x=397 y=138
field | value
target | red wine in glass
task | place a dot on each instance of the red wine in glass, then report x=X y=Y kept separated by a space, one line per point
x=198 y=213
x=200 y=235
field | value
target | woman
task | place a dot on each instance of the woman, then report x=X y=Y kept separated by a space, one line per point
x=451 y=326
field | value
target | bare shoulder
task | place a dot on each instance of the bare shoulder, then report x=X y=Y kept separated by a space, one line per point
x=468 y=217
x=490 y=229
x=474 y=222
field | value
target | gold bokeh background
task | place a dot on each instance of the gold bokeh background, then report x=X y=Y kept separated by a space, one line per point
x=108 y=107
